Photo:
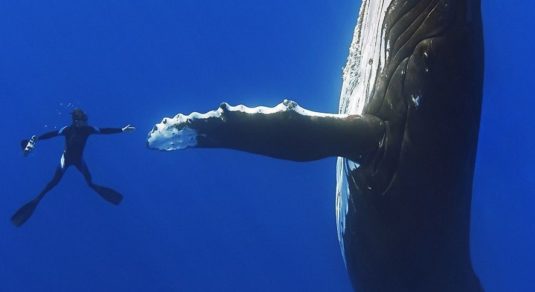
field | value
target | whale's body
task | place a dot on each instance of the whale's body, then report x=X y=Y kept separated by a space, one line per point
x=403 y=214
x=406 y=138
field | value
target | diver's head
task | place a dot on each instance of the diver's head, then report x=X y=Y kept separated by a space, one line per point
x=79 y=118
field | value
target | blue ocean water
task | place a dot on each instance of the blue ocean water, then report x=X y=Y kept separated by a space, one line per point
x=220 y=220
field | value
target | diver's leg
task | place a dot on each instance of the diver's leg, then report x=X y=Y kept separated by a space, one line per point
x=106 y=193
x=60 y=170
x=82 y=167
x=24 y=212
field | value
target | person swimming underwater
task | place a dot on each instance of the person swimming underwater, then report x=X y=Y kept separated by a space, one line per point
x=75 y=139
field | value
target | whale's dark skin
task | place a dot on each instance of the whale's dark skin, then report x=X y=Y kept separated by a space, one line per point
x=408 y=219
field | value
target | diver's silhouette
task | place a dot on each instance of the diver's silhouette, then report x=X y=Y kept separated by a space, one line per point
x=75 y=139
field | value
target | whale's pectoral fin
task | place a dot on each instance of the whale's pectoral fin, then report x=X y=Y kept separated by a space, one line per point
x=286 y=131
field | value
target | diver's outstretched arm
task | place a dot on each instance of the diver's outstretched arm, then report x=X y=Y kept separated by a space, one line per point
x=35 y=138
x=50 y=134
x=126 y=129
x=286 y=131
x=28 y=145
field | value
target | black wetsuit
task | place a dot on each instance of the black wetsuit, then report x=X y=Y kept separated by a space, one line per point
x=75 y=140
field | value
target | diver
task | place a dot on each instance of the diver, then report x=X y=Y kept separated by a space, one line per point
x=75 y=139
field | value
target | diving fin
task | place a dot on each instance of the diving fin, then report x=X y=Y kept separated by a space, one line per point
x=24 y=213
x=109 y=195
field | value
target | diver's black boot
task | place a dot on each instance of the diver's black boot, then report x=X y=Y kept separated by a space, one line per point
x=108 y=194
x=24 y=213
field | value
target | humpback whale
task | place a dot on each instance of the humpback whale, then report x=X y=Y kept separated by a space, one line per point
x=405 y=137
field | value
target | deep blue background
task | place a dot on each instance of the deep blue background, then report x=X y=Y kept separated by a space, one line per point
x=219 y=220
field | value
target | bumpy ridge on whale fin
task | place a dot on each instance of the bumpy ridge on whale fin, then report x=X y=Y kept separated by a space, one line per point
x=286 y=131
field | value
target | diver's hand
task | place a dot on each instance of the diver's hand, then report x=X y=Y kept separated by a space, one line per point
x=30 y=145
x=129 y=128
